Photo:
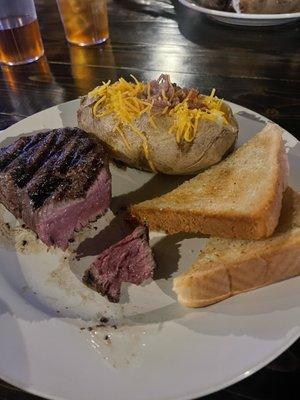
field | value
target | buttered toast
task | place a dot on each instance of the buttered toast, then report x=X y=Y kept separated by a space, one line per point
x=240 y=197
x=227 y=267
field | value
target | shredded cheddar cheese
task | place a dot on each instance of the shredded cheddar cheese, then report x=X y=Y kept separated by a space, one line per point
x=122 y=99
x=186 y=121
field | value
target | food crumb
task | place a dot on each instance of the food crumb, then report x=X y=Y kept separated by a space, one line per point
x=24 y=289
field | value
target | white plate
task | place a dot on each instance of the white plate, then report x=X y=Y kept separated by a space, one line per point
x=160 y=350
x=243 y=19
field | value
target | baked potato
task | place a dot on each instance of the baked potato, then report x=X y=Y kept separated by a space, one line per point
x=266 y=6
x=159 y=126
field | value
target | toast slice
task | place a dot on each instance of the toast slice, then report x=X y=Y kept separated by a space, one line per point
x=240 y=197
x=227 y=267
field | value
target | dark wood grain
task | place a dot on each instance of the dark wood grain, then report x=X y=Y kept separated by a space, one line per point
x=259 y=69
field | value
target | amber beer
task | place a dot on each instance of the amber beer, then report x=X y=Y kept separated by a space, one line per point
x=20 y=40
x=85 y=21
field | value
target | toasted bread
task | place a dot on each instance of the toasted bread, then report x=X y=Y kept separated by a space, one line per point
x=240 y=197
x=227 y=267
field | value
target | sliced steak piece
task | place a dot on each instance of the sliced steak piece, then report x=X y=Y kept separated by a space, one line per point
x=128 y=260
x=56 y=181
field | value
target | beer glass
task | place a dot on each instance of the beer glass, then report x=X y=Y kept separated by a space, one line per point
x=20 y=38
x=85 y=21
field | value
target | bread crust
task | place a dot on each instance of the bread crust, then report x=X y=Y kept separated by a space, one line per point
x=227 y=267
x=221 y=282
x=257 y=223
x=230 y=226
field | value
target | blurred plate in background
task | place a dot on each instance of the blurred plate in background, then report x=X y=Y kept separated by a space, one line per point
x=242 y=19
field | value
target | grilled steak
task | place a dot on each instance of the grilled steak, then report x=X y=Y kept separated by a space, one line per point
x=56 y=181
x=128 y=260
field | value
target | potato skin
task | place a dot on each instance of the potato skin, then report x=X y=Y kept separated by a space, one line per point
x=212 y=141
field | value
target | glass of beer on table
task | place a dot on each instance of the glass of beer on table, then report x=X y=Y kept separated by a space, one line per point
x=85 y=21
x=20 y=38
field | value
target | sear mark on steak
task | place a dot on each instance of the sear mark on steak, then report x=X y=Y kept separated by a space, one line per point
x=24 y=167
x=128 y=260
x=36 y=153
x=56 y=181
x=9 y=153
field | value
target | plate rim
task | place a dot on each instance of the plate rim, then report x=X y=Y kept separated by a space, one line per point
x=189 y=396
x=212 y=389
x=226 y=14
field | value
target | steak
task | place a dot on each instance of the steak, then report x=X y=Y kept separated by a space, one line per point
x=56 y=181
x=128 y=260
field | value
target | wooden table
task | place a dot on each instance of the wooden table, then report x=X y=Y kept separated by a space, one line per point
x=259 y=69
